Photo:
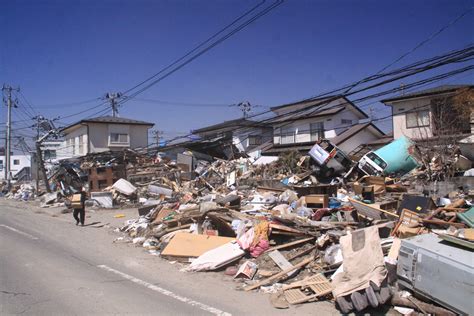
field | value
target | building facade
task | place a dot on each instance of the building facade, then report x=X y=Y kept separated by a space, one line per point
x=104 y=134
x=297 y=126
x=426 y=114
x=18 y=163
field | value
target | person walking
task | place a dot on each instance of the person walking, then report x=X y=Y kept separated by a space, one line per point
x=79 y=207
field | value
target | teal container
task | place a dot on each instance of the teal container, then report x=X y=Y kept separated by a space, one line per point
x=467 y=217
x=396 y=156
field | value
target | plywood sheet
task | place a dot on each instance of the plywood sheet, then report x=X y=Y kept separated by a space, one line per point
x=193 y=245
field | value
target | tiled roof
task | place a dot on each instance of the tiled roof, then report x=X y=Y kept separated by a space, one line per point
x=432 y=91
x=110 y=119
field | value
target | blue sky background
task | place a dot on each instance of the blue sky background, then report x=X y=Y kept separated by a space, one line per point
x=62 y=52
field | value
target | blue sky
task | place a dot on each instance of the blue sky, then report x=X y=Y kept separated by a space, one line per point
x=63 y=52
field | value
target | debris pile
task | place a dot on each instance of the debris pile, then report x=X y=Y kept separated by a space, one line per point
x=301 y=228
x=285 y=230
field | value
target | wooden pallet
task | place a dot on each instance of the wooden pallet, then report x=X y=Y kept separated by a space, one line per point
x=318 y=284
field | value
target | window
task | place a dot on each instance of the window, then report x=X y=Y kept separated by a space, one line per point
x=379 y=161
x=418 y=119
x=317 y=131
x=73 y=145
x=81 y=145
x=255 y=140
x=117 y=138
x=16 y=162
x=49 y=154
x=346 y=122
x=287 y=135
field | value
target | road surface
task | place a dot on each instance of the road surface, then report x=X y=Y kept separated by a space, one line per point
x=49 y=266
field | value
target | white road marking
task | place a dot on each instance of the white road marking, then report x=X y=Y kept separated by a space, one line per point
x=19 y=232
x=163 y=291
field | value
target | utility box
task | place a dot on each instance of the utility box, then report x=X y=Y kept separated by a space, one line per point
x=437 y=270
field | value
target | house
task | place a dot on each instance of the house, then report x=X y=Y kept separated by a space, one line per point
x=18 y=163
x=106 y=133
x=244 y=134
x=297 y=126
x=434 y=112
x=53 y=150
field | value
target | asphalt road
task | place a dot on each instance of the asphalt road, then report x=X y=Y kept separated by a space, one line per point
x=49 y=266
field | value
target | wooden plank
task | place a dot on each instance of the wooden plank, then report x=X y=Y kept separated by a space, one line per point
x=281 y=261
x=442 y=223
x=278 y=275
x=193 y=245
x=286 y=229
x=372 y=212
x=291 y=244
x=302 y=253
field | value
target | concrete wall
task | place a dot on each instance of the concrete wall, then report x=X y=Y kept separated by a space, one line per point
x=23 y=161
x=399 y=119
x=332 y=125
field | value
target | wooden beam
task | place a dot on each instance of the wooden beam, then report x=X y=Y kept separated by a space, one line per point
x=279 y=275
x=290 y=244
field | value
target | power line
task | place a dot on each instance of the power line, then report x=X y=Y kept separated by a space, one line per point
x=390 y=91
x=28 y=103
x=441 y=30
x=198 y=54
x=197 y=47
x=71 y=104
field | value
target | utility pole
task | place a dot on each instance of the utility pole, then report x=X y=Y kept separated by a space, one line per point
x=7 y=90
x=39 y=157
x=39 y=141
x=245 y=107
x=157 y=134
x=113 y=97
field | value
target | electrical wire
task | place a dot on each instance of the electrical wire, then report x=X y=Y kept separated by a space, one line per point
x=200 y=53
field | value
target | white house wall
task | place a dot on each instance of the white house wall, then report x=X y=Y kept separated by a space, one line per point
x=399 y=119
x=365 y=136
x=241 y=138
x=332 y=125
x=100 y=133
x=138 y=136
x=23 y=161
x=71 y=146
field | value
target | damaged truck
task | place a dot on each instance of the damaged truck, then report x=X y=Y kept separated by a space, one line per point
x=395 y=158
